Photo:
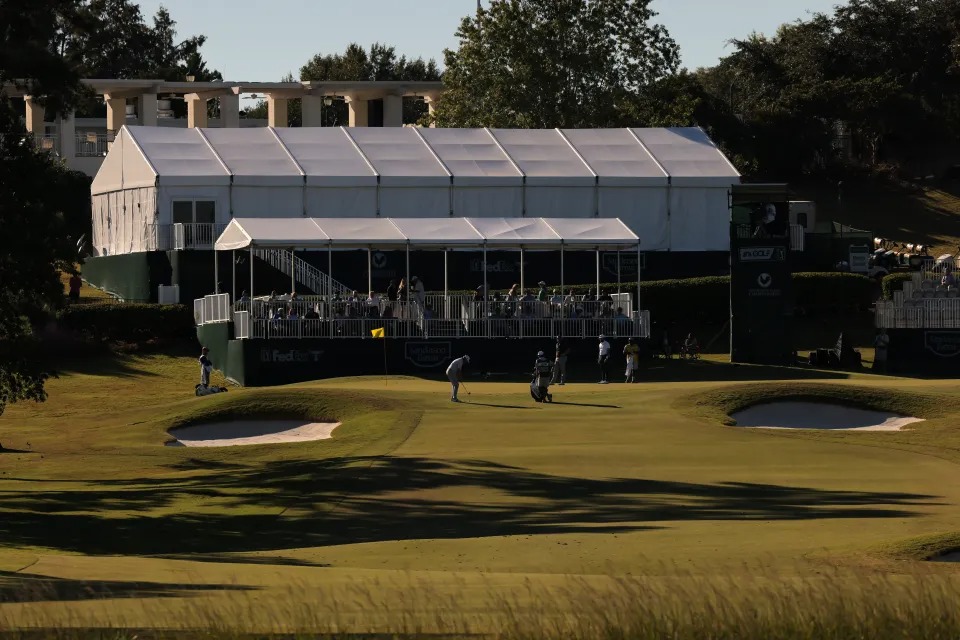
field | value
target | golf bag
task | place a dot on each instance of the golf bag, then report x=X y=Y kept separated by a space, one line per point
x=540 y=385
x=201 y=390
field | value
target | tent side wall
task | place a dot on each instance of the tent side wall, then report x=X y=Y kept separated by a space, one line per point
x=488 y=201
x=267 y=202
x=347 y=202
x=644 y=209
x=698 y=219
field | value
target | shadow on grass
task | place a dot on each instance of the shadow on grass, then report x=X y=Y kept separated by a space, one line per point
x=674 y=370
x=310 y=503
x=17 y=587
x=228 y=559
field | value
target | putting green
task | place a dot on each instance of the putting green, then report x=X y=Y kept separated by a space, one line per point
x=105 y=525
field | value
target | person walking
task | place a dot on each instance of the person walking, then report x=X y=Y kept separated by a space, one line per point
x=455 y=375
x=603 y=358
x=206 y=366
x=880 y=344
x=631 y=351
x=560 y=370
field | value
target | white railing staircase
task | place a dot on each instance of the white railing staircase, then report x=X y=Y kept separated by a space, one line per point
x=304 y=273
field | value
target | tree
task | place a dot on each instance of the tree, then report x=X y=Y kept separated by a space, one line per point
x=379 y=64
x=555 y=63
x=34 y=246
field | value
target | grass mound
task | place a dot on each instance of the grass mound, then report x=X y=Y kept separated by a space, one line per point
x=720 y=404
x=928 y=547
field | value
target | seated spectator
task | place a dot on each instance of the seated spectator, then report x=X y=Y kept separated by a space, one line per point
x=278 y=314
x=948 y=279
x=387 y=313
x=621 y=314
x=373 y=302
x=556 y=299
x=312 y=314
x=604 y=296
x=428 y=313
x=292 y=314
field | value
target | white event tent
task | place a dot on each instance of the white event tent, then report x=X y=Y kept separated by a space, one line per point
x=581 y=234
x=669 y=186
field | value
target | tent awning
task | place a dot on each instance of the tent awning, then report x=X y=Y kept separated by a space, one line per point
x=320 y=233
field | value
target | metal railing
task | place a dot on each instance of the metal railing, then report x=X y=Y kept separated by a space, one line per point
x=241 y=324
x=797 y=237
x=212 y=308
x=92 y=145
x=923 y=313
x=303 y=272
x=200 y=235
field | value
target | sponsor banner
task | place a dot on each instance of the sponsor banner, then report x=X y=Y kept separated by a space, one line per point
x=944 y=344
x=290 y=355
x=428 y=354
x=762 y=254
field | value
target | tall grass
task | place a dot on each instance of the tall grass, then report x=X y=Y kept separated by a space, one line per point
x=747 y=604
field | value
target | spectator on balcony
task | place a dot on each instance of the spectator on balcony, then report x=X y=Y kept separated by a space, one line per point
x=387 y=313
x=354 y=306
x=373 y=305
x=428 y=313
x=75 y=284
x=392 y=291
x=419 y=291
x=948 y=279
x=542 y=292
x=528 y=301
x=244 y=297
x=273 y=297
x=606 y=304
x=312 y=314
x=292 y=314
x=556 y=299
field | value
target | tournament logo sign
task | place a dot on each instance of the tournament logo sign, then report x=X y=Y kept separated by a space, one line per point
x=945 y=344
x=762 y=254
x=428 y=354
x=290 y=355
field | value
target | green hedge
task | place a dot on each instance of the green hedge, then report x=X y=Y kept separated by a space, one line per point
x=133 y=322
x=894 y=282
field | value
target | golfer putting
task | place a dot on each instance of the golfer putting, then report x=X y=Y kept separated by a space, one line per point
x=455 y=375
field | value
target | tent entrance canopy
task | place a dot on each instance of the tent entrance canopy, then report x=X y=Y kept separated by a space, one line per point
x=439 y=233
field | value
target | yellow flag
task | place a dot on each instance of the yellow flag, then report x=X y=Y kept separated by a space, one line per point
x=377 y=333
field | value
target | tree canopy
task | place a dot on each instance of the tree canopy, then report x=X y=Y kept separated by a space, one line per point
x=555 y=63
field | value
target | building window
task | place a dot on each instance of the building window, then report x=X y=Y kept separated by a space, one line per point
x=194 y=211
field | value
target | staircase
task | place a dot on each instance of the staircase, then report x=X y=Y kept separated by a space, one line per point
x=304 y=273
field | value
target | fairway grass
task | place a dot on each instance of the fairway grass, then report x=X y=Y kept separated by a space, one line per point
x=631 y=507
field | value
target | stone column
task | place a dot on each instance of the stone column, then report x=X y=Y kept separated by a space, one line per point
x=196 y=111
x=116 y=113
x=359 y=114
x=147 y=110
x=312 y=107
x=230 y=111
x=392 y=111
x=431 y=99
x=276 y=111
x=34 y=116
x=68 y=137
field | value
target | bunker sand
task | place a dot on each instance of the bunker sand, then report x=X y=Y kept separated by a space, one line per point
x=251 y=432
x=819 y=415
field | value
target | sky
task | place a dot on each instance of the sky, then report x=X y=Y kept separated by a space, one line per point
x=257 y=41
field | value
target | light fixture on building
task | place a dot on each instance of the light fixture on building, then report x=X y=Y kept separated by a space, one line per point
x=327 y=101
x=191 y=78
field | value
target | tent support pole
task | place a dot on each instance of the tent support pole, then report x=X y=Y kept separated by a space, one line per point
x=216 y=272
x=406 y=289
x=563 y=291
x=486 y=296
x=639 y=318
x=233 y=277
x=330 y=275
x=293 y=270
x=618 y=272
x=369 y=271
x=523 y=279
x=251 y=276
x=597 y=292
x=446 y=285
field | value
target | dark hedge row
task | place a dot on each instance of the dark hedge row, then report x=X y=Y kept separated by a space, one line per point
x=129 y=322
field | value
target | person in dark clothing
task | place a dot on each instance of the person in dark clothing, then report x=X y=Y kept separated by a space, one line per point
x=75 y=284
x=560 y=370
x=206 y=366
x=392 y=291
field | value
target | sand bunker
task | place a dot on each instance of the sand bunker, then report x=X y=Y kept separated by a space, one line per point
x=818 y=415
x=240 y=432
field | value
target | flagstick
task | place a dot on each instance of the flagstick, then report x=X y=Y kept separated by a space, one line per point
x=384 y=339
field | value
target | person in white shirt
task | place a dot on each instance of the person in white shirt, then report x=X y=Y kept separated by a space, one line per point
x=603 y=358
x=419 y=293
x=455 y=375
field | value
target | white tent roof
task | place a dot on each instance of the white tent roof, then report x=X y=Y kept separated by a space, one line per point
x=399 y=156
x=407 y=157
x=312 y=233
x=473 y=157
x=689 y=156
x=328 y=156
x=545 y=157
